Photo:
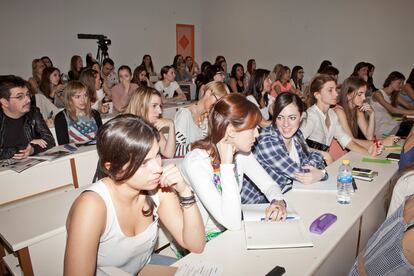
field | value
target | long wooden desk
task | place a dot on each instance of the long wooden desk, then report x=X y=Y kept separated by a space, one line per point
x=71 y=171
x=33 y=229
x=334 y=251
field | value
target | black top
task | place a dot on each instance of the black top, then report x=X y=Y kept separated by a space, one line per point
x=13 y=133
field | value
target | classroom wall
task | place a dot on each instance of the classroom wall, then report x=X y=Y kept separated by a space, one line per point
x=271 y=31
x=49 y=27
x=307 y=32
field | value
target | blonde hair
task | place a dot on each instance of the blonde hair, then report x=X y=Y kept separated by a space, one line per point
x=70 y=90
x=34 y=66
x=217 y=88
x=140 y=101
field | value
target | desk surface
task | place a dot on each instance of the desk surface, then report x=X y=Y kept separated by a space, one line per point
x=81 y=151
x=34 y=221
x=229 y=249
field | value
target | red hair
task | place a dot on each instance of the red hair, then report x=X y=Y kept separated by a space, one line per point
x=232 y=109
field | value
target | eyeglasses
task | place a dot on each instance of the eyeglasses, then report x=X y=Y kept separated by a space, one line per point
x=20 y=97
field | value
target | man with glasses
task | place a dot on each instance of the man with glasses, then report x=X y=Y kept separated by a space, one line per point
x=23 y=131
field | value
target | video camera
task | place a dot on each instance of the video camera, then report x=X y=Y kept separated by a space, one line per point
x=103 y=43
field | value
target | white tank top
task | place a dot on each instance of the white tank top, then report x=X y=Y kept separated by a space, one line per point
x=129 y=254
x=385 y=124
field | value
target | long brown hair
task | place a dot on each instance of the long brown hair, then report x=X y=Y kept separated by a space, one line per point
x=124 y=142
x=351 y=86
x=73 y=62
x=45 y=84
x=88 y=77
x=233 y=109
x=316 y=86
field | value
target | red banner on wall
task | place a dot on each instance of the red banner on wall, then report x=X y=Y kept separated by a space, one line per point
x=185 y=40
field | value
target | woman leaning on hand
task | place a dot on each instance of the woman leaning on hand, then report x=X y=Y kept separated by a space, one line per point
x=115 y=221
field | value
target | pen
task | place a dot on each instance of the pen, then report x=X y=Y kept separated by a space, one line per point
x=376 y=141
x=354 y=184
x=287 y=218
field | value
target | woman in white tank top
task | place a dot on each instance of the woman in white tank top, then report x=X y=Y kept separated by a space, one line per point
x=385 y=103
x=115 y=222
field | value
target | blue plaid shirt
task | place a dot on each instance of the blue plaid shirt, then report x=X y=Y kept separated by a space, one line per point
x=271 y=152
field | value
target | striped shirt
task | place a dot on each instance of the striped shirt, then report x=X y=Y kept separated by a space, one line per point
x=384 y=254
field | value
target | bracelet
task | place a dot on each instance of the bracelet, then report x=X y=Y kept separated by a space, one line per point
x=187 y=201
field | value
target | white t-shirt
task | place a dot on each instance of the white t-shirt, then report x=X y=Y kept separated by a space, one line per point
x=264 y=110
x=223 y=210
x=403 y=188
x=293 y=154
x=168 y=91
x=385 y=124
x=100 y=94
x=314 y=127
x=187 y=131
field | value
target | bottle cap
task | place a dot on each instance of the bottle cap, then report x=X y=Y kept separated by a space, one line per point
x=345 y=162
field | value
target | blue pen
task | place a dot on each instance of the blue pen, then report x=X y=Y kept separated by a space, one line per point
x=287 y=218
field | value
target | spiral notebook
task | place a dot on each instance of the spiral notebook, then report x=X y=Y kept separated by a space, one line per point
x=265 y=234
x=284 y=234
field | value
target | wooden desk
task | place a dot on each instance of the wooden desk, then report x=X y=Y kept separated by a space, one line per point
x=32 y=227
x=70 y=171
x=334 y=251
x=170 y=108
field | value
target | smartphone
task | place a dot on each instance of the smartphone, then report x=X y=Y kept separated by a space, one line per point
x=70 y=147
x=393 y=156
x=361 y=170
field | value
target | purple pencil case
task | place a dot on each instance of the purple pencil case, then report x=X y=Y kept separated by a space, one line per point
x=322 y=223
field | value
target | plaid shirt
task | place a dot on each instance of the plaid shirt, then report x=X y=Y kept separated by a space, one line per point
x=272 y=154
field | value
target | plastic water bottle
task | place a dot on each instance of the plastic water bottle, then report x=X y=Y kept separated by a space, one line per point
x=344 y=183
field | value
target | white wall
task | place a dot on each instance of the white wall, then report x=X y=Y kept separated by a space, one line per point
x=307 y=32
x=32 y=29
x=271 y=31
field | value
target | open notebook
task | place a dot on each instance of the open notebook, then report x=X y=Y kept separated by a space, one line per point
x=263 y=235
x=322 y=186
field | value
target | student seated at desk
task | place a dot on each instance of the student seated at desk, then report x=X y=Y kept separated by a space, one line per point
x=115 y=222
x=321 y=124
x=390 y=250
x=121 y=92
x=191 y=122
x=387 y=102
x=352 y=111
x=167 y=86
x=182 y=75
x=146 y=103
x=78 y=123
x=92 y=80
x=258 y=93
x=216 y=165
x=282 y=150
x=23 y=131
